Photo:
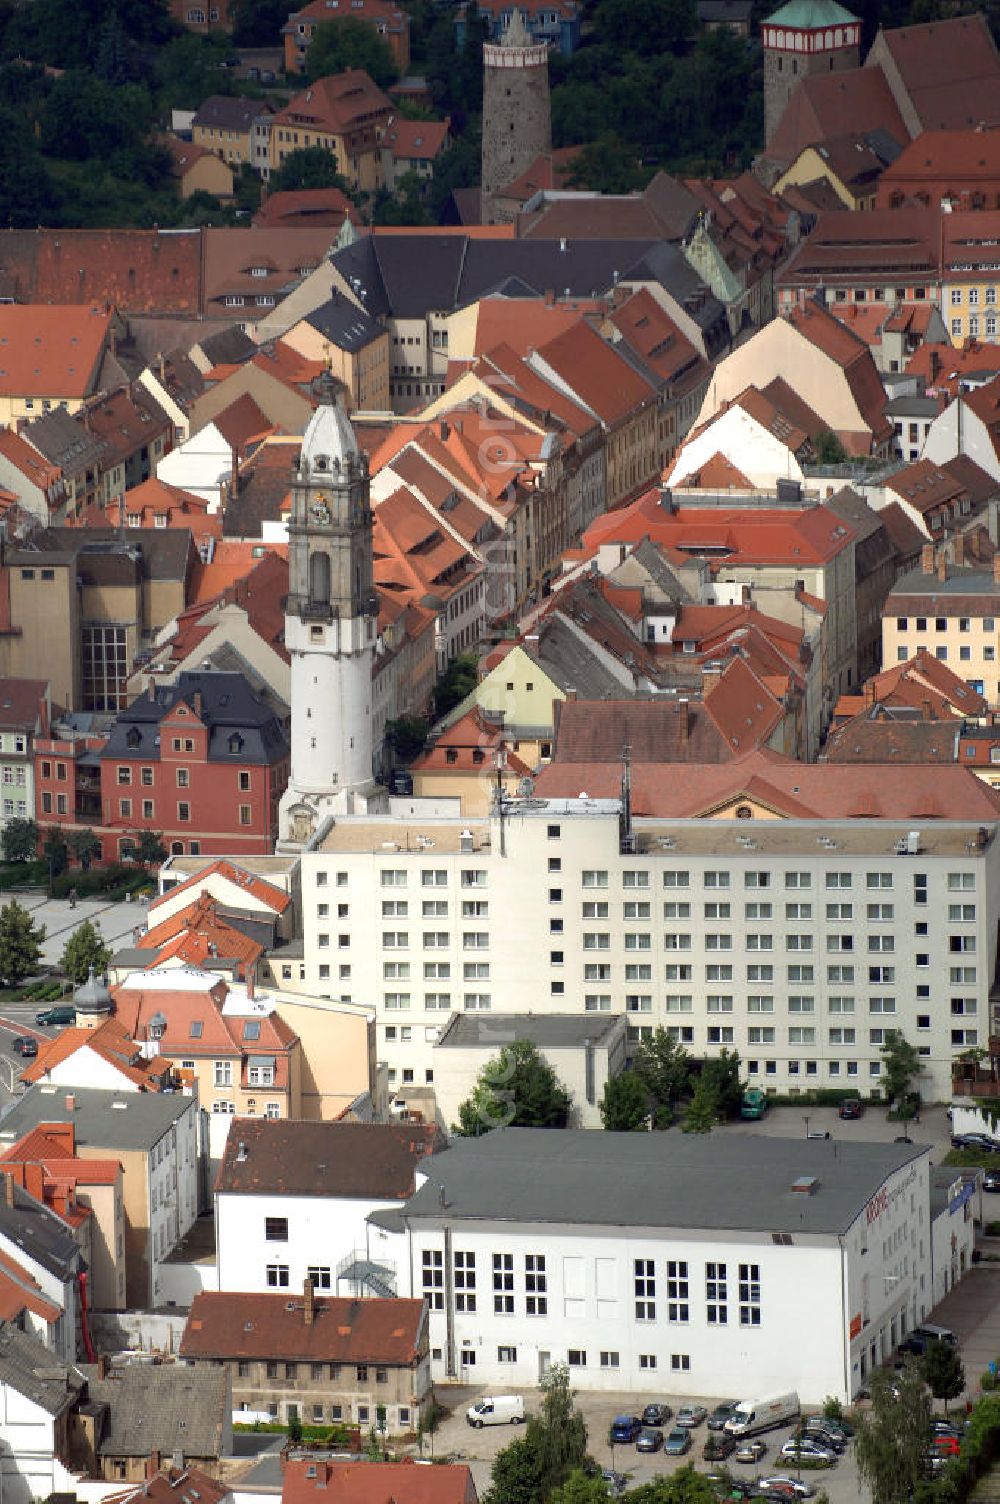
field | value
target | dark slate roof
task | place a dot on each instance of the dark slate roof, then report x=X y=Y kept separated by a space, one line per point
x=227 y=347
x=149 y=552
x=673 y=1179
x=32 y=1369
x=63 y=441
x=549 y=1031
x=405 y=276
x=166 y=1408
x=343 y=324
x=229 y=707
x=231 y=112
x=40 y=1234
x=283 y=1156
x=101 y=1119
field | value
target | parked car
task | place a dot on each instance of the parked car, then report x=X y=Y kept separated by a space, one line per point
x=991 y=1180
x=949 y=1428
x=821 y=1437
x=718 y=1417
x=975 y=1141
x=655 y=1415
x=61 y=1014
x=616 y=1483
x=797 y=1487
x=850 y=1109
x=25 y=1046
x=677 y=1442
x=827 y=1423
x=947 y=1446
x=730 y=1488
x=718 y=1445
x=691 y=1415
x=920 y=1339
x=649 y=1439
x=750 y=1451
x=625 y=1428
x=804 y=1449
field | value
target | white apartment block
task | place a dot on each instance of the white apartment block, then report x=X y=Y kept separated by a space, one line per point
x=672 y=1263
x=797 y=942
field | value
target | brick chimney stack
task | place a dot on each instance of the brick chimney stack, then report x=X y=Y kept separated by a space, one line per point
x=308 y=1302
x=996 y=568
x=942 y=567
x=927 y=558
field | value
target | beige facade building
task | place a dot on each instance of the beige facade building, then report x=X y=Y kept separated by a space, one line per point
x=356 y=348
x=330 y=1360
x=951 y=614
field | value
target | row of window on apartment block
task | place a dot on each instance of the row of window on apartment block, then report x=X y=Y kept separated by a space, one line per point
x=472 y=877
x=720 y=1287
x=577 y=1357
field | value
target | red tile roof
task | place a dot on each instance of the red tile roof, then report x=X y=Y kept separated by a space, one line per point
x=592 y=369
x=174 y=1485
x=377 y=1161
x=114 y=1046
x=139 y=271
x=417 y=140
x=338 y=105
x=733 y=534
x=223 y=1325
x=792 y=789
x=360 y=1482
x=828 y=334
x=51 y=352
x=199 y=934
x=469 y=744
x=27 y=459
x=949 y=69
x=822 y=103
x=307 y=206
x=549 y=170
x=259 y=888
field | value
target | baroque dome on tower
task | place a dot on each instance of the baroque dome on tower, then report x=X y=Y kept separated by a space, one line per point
x=329 y=442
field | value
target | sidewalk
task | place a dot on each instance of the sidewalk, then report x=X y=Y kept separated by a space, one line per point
x=116 y=921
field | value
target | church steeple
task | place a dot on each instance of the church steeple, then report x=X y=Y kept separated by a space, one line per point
x=330 y=620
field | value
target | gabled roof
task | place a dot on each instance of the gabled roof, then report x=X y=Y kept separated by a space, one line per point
x=417 y=140
x=375 y=1482
x=275 y=1157
x=199 y=935
x=153 y=272
x=468 y=743
x=166 y=1408
x=25 y=458
x=339 y=104
x=242 y=881
x=21 y=702
x=178 y=1485
x=925 y=486
x=730 y=534
x=949 y=69
x=229 y=111
x=195 y=1021
x=873 y=737
x=51 y=352
x=596 y=373
x=226 y=1325
x=33 y=1370
x=111 y=1043
x=823 y=102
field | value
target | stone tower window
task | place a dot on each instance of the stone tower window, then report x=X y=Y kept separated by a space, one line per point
x=319 y=579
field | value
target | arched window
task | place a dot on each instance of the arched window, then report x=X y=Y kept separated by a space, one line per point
x=319 y=579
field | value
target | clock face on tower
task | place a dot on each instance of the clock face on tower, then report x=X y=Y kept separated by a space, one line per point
x=319 y=512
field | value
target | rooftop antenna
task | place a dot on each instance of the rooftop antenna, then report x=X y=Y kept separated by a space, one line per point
x=625 y=816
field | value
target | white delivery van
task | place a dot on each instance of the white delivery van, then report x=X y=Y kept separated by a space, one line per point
x=753 y=1416
x=496 y=1410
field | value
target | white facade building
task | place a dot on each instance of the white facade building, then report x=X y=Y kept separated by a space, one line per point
x=668 y=1262
x=293 y=1199
x=797 y=941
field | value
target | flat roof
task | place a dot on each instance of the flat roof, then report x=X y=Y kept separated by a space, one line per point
x=742 y=1182
x=123 y=1120
x=566 y=1031
x=407 y=837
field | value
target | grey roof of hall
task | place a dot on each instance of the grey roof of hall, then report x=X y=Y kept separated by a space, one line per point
x=552 y=1031
x=652 y=561
x=32 y=1369
x=125 y=1120
x=164 y=1408
x=916 y=405
x=406 y=276
x=230 y=346
x=854 y=509
x=665 y=263
x=959 y=582
x=165 y=553
x=40 y=1234
x=743 y=1182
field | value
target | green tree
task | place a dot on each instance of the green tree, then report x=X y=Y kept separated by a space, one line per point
x=149 y=848
x=308 y=167
x=518 y=1089
x=892 y=1439
x=85 y=117
x=258 y=23
x=581 y=1487
x=407 y=206
x=407 y=735
x=552 y=1449
x=350 y=43
x=664 y=1067
x=829 y=449
x=943 y=1372
x=458 y=167
x=645 y=26
x=624 y=1106
x=28 y=195
x=458 y=680
x=704 y=1109
x=607 y=165
x=722 y=1072
x=85 y=846
x=20 y=943
x=55 y=851
x=900 y=1066
x=515 y=1477
x=294 y=1425
x=682 y=1487
x=20 y=840
x=84 y=949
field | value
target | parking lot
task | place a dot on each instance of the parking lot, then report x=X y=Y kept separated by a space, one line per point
x=478 y=1448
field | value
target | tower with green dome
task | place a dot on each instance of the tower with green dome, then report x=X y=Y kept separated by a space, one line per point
x=801 y=39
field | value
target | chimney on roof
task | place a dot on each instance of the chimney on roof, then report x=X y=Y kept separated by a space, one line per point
x=935 y=366
x=70 y=1102
x=925 y=710
x=683 y=721
x=153 y=1464
x=197 y=702
x=102 y=1373
x=996 y=568
x=870 y=693
x=8 y=1188
x=927 y=558
x=942 y=567
x=445 y=431
x=308 y=1301
x=251 y=984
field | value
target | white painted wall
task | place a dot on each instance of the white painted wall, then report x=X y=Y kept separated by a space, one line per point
x=958 y=431
x=322 y=1230
x=747 y=444
x=28 y=1466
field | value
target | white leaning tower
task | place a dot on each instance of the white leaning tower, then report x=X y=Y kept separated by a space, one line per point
x=331 y=617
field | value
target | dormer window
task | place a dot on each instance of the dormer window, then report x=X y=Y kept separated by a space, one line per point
x=258 y=271
x=236 y=742
x=133 y=737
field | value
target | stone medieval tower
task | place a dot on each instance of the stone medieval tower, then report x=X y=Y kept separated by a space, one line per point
x=331 y=619
x=803 y=38
x=516 y=122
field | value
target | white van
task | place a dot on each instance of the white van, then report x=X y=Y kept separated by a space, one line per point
x=496 y=1410
x=753 y=1416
